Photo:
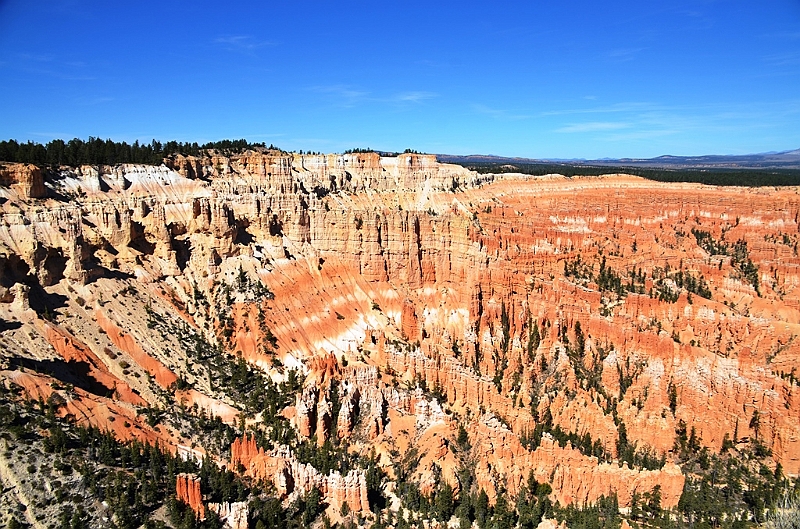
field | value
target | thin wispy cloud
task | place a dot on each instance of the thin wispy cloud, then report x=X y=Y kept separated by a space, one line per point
x=642 y=122
x=245 y=44
x=622 y=54
x=349 y=96
x=630 y=106
x=414 y=97
x=51 y=66
x=498 y=113
x=91 y=101
x=639 y=135
x=64 y=76
x=34 y=57
x=76 y=77
x=783 y=59
x=428 y=63
x=795 y=35
x=593 y=126
x=341 y=94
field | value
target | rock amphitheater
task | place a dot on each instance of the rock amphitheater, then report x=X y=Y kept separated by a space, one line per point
x=418 y=301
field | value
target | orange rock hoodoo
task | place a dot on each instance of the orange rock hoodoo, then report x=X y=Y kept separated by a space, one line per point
x=187 y=488
x=232 y=514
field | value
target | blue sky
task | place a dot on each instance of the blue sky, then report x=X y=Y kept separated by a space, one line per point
x=573 y=79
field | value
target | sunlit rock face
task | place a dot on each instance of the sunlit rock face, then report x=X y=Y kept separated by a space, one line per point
x=187 y=490
x=415 y=298
x=25 y=179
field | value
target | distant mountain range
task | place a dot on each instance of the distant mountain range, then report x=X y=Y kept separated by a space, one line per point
x=785 y=160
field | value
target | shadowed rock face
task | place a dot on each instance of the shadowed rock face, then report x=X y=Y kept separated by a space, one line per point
x=415 y=297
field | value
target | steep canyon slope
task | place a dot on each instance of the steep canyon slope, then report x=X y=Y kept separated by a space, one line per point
x=418 y=323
